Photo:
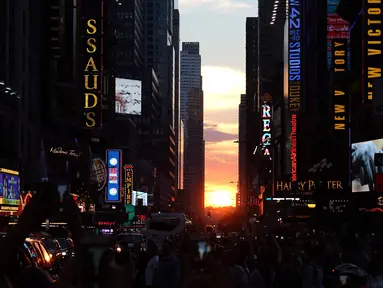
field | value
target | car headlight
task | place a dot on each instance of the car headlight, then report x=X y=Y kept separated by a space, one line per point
x=63 y=253
x=118 y=249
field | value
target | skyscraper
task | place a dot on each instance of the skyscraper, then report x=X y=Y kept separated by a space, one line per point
x=160 y=55
x=177 y=102
x=249 y=113
x=190 y=73
x=192 y=116
x=242 y=146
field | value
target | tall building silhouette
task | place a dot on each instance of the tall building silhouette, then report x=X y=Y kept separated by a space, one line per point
x=192 y=116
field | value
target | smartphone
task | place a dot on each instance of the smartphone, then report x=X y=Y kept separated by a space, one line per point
x=203 y=249
x=343 y=279
x=92 y=252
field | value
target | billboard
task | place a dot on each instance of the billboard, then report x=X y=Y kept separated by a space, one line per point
x=128 y=96
x=91 y=64
x=99 y=173
x=128 y=183
x=266 y=128
x=137 y=196
x=113 y=185
x=363 y=169
x=337 y=28
x=9 y=187
x=294 y=78
x=294 y=56
x=372 y=47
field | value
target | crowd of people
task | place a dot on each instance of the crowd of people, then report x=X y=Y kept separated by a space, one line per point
x=307 y=259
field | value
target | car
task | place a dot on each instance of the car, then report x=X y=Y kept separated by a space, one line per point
x=38 y=251
x=127 y=241
x=67 y=246
x=54 y=248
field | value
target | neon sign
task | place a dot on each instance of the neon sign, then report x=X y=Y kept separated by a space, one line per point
x=266 y=129
x=293 y=149
x=128 y=183
x=294 y=56
x=308 y=185
x=114 y=176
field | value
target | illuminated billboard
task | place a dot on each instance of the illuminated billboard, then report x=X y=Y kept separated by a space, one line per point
x=128 y=184
x=337 y=28
x=113 y=185
x=294 y=56
x=340 y=98
x=266 y=128
x=294 y=78
x=138 y=196
x=363 y=169
x=372 y=47
x=128 y=96
x=92 y=66
x=9 y=187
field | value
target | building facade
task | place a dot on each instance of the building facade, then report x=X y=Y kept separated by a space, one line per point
x=242 y=155
x=192 y=117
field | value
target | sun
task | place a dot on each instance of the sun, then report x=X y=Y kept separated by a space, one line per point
x=219 y=198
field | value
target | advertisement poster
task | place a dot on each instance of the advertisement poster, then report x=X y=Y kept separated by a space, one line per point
x=363 y=167
x=99 y=173
x=10 y=189
x=128 y=96
x=113 y=187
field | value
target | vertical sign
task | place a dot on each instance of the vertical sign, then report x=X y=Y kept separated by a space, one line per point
x=92 y=64
x=266 y=129
x=372 y=47
x=294 y=56
x=113 y=186
x=340 y=98
x=337 y=28
x=294 y=77
x=128 y=183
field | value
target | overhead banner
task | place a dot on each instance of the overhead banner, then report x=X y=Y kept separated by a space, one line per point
x=128 y=183
x=372 y=54
x=92 y=64
x=113 y=185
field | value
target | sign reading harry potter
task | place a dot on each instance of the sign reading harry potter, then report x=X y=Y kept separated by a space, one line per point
x=307 y=186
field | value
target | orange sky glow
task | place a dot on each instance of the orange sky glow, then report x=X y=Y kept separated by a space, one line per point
x=222 y=89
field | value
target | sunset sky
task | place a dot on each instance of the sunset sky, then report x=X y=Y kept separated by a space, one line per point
x=219 y=26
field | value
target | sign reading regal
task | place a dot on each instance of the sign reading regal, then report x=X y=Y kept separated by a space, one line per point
x=92 y=65
x=266 y=128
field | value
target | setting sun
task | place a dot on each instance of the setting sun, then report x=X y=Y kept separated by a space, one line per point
x=220 y=198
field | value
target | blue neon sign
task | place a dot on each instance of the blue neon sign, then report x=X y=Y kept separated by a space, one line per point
x=295 y=47
x=113 y=186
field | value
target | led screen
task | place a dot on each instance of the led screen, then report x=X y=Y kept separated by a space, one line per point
x=363 y=167
x=10 y=189
x=337 y=28
x=128 y=96
x=137 y=195
x=114 y=176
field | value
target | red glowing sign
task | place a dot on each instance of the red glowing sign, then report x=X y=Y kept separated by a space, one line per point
x=293 y=149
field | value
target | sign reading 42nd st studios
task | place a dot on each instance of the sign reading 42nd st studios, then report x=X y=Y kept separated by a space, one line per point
x=92 y=66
